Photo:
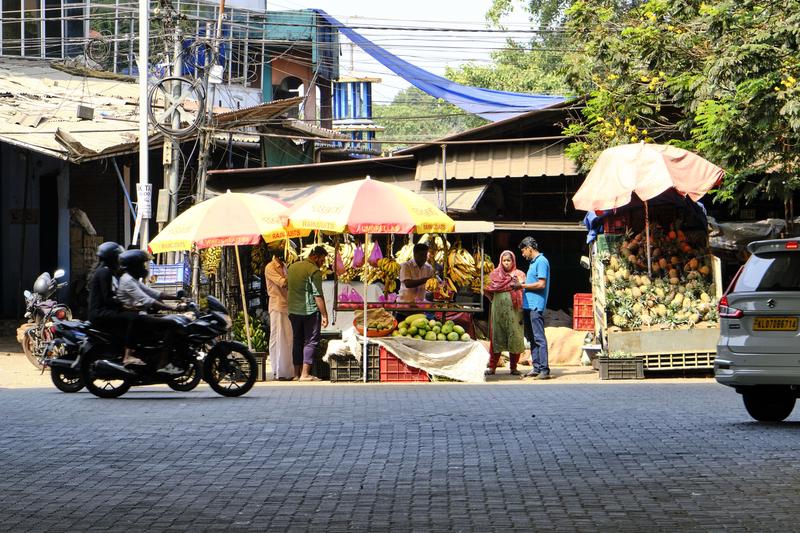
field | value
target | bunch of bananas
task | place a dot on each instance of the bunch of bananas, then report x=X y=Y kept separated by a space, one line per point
x=485 y=263
x=210 y=259
x=258 y=257
x=390 y=270
x=406 y=253
x=436 y=244
x=346 y=251
x=461 y=266
x=442 y=290
x=290 y=255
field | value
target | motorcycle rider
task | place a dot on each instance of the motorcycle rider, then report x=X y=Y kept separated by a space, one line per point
x=105 y=311
x=136 y=296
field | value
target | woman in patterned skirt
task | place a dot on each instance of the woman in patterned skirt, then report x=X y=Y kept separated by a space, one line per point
x=505 y=325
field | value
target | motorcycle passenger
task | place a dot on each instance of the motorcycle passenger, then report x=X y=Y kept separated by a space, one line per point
x=136 y=296
x=105 y=311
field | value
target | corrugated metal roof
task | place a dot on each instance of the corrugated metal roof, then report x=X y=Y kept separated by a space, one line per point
x=38 y=111
x=517 y=160
x=257 y=114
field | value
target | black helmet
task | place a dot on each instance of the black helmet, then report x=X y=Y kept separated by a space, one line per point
x=108 y=253
x=135 y=262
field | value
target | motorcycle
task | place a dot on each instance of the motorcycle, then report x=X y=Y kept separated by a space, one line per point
x=41 y=311
x=193 y=344
x=62 y=354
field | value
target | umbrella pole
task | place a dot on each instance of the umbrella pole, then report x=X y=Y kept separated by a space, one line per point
x=647 y=238
x=366 y=348
x=244 y=300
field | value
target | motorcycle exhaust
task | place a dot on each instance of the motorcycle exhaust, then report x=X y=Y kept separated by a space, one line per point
x=109 y=369
x=63 y=364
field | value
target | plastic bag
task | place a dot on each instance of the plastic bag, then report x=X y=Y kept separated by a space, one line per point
x=376 y=254
x=355 y=297
x=358 y=257
x=338 y=264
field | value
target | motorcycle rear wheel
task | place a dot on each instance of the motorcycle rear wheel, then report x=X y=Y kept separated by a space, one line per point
x=230 y=371
x=66 y=381
x=101 y=387
x=188 y=381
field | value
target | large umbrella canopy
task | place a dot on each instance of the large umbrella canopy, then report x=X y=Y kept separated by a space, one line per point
x=368 y=206
x=647 y=170
x=230 y=219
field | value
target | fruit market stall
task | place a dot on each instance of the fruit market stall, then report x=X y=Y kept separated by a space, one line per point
x=655 y=283
x=368 y=208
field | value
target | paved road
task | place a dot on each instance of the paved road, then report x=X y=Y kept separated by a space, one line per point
x=435 y=457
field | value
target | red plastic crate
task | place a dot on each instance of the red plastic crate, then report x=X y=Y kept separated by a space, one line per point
x=583 y=312
x=394 y=370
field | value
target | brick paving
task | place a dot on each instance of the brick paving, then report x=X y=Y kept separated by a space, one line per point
x=429 y=457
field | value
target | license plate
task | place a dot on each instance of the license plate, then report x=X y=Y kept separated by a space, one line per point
x=775 y=323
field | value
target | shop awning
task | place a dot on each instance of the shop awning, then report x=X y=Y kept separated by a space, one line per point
x=540 y=226
x=460 y=199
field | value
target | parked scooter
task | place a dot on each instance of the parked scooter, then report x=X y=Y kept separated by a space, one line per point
x=193 y=344
x=41 y=311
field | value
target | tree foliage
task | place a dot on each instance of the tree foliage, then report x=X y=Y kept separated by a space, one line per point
x=416 y=116
x=716 y=77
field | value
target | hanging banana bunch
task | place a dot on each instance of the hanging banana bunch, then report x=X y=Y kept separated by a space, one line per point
x=485 y=263
x=346 y=252
x=290 y=253
x=406 y=253
x=390 y=270
x=258 y=257
x=461 y=267
x=210 y=259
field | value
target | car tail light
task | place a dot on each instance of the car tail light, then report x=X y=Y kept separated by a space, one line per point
x=792 y=245
x=61 y=314
x=728 y=312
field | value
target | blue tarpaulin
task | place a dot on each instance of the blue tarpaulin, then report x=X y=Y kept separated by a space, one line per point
x=486 y=103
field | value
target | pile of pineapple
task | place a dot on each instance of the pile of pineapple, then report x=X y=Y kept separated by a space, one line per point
x=679 y=294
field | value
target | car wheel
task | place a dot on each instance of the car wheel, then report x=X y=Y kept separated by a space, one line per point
x=769 y=406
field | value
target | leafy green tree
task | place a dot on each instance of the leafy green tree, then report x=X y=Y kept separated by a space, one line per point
x=716 y=77
x=416 y=116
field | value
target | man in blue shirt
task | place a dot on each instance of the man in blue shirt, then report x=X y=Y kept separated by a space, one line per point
x=536 y=289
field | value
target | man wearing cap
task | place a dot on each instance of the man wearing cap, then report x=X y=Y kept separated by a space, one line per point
x=536 y=289
x=307 y=311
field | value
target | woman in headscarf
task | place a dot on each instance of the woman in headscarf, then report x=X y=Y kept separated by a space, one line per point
x=505 y=325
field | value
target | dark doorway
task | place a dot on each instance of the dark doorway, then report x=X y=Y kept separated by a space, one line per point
x=48 y=222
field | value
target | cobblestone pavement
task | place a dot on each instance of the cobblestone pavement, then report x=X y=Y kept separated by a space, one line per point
x=432 y=457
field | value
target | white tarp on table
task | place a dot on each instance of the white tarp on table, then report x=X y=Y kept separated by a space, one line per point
x=463 y=361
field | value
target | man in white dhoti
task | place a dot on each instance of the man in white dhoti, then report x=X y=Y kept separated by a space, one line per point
x=280 y=329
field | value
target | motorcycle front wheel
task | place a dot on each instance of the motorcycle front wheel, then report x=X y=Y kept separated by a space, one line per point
x=66 y=381
x=28 y=348
x=101 y=386
x=230 y=371
x=188 y=381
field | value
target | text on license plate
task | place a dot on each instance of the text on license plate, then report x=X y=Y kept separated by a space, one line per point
x=775 y=323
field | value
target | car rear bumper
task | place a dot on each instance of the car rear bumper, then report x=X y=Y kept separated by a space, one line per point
x=737 y=369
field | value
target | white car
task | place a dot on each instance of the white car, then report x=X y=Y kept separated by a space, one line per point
x=759 y=346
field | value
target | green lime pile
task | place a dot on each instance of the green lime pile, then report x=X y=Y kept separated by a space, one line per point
x=419 y=327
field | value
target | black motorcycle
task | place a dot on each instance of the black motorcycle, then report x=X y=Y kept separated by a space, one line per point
x=62 y=354
x=193 y=344
x=41 y=311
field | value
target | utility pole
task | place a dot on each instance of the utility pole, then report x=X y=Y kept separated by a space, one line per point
x=143 y=188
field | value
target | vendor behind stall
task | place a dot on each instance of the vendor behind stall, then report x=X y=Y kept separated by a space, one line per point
x=414 y=274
